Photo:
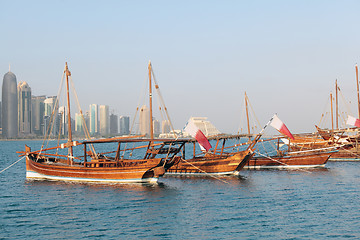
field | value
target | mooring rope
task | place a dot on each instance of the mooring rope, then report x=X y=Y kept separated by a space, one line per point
x=211 y=175
x=12 y=164
x=350 y=152
x=280 y=161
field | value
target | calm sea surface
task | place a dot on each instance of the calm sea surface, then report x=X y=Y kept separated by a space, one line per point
x=296 y=204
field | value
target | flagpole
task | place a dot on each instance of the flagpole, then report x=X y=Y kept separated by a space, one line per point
x=332 y=115
x=150 y=103
x=336 y=106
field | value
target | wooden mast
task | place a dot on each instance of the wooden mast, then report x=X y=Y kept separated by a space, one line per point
x=68 y=73
x=150 y=103
x=357 y=86
x=247 y=114
x=332 y=115
x=336 y=105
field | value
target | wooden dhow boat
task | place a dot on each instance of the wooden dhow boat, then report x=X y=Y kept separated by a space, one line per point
x=216 y=162
x=291 y=151
x=146 y=161
x=224 y=160
x=285 y=159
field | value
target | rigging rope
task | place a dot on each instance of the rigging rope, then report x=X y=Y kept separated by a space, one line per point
x=211 y=175
x=12 y=164
x=279 y=161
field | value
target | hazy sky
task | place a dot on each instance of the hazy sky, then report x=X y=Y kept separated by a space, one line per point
x=285 y=54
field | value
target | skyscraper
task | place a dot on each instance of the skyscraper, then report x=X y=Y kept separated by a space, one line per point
x=51 y=115
x=104 y=120
x=165 y=126
x=156 y=127
x=93 y=119
x=79 y=123
x=63 y=120
x=9 y=106
x=37 y=114
x=24 y=109
x=144 y=121
x=114 y=120
x=124 y=125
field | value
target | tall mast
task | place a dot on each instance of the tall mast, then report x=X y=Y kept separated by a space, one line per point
x=336 y=105
x=332 y=115
x=150 y=103
x=357 y=85
x=247 y=114
x=68 y=73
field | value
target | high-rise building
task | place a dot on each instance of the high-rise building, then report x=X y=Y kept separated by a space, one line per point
x=165 y=126
x=114 y=122
x=78 y=123
x=104 y=120
x=37 y=114
x=156 y=127
x=63 y=120
x=144 y=121
x=94 y=119
x=124 y=125
x=24 y=109
x=49 y=104
x=51 y=111
x=9 y=106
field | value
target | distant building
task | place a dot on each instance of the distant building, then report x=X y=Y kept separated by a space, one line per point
x=205 y=126
x=114 y=122
x=165 y=126
x=144 y=121
x=79 y=123
x=104 y=120
x=156 y=127
x=63 y=121
x=24 y=109
x=94 y=119
x=51 y=116
x=9 y=106
x=124 y=125
x=37 y=114
x=49 y=104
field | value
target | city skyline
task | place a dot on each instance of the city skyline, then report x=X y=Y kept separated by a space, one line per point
x=35 y=114
x=25 y=115
x=205 y=55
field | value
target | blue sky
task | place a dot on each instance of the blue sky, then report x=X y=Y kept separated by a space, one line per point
x=285 y=54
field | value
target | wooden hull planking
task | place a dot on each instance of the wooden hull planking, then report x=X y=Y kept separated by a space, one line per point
x=215 y=165
x=307 y=160
x=145 y=171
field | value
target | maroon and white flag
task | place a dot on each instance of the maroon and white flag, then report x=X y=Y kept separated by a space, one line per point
x=196 y=133
x=353 y=121
x=280 y=126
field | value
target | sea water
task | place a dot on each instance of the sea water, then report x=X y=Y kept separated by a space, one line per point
x=273 y=204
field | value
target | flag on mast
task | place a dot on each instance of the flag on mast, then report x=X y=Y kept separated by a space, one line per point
x=196 y=133
x=353 y=121
x=281 y=127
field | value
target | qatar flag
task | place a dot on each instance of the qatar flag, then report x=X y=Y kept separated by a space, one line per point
x=280 y=126
x=353 y=121
x=196 y=133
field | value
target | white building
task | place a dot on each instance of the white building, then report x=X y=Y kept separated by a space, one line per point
x=205 y=126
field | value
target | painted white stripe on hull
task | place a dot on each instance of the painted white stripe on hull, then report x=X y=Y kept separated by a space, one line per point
x=345 y=159
x=284 y=167
x=35 y=175
x=81 y=172
x=201 y=174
